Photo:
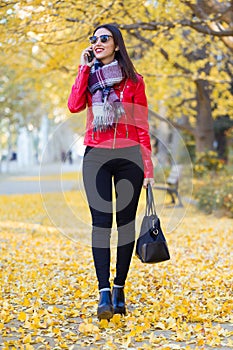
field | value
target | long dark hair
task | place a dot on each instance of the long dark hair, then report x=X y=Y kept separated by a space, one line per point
x=121 y=55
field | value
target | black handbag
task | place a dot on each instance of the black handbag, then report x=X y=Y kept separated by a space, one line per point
x=151 y=246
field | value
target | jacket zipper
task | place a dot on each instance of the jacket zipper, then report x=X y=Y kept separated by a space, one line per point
x=115 y=129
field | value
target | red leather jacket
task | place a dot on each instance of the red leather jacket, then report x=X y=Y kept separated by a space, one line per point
x=132 y=129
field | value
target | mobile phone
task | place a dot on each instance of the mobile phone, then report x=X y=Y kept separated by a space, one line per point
x=91 y=56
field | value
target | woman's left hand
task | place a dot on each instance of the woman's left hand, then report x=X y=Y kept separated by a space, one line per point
x=147 y=181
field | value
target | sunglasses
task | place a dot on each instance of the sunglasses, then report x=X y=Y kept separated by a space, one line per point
x=103 y=38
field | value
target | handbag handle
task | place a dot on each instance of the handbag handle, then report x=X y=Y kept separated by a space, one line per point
x=150 y=204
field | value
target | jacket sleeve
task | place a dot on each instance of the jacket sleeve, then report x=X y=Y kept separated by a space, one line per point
x=77 y=100
x=142 y=126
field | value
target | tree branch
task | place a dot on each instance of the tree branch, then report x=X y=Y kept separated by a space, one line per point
x=206 y=30
x=198 y=26
x=176 y=65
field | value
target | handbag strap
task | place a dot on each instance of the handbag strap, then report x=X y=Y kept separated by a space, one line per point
x=150 y=204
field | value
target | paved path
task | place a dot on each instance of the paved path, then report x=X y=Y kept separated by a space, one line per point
x=38 y=179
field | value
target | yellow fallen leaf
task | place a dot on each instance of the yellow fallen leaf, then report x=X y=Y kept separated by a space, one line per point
x=56 y=331
x=116 y=318
x=26 y=302
x=22 y=316
x=103 y=323
x=27 y=339
x=77 y=293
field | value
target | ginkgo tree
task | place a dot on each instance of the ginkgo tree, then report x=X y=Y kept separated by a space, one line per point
x=182 y=48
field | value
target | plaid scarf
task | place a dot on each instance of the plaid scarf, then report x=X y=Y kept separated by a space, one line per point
x=106 y=106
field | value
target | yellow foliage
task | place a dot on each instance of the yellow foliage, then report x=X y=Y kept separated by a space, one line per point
x=42 y=42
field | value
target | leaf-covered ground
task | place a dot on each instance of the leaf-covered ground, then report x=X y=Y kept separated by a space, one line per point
x=48 y=294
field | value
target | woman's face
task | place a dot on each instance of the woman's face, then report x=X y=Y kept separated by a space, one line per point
x=104 y=52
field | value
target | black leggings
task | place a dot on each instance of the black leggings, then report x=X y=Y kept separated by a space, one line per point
x=125 y=167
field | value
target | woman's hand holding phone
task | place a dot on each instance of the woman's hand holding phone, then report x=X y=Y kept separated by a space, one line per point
x=87 y=57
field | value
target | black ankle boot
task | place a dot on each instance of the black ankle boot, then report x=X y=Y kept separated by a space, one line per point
x=118 y=301
x=105 y=308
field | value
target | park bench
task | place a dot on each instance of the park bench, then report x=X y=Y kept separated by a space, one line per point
x=172 y=183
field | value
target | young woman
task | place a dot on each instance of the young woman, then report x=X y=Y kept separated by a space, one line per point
x=118 y=149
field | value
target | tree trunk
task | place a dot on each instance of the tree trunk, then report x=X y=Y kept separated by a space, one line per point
x=205 y=125
x=162 y=135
